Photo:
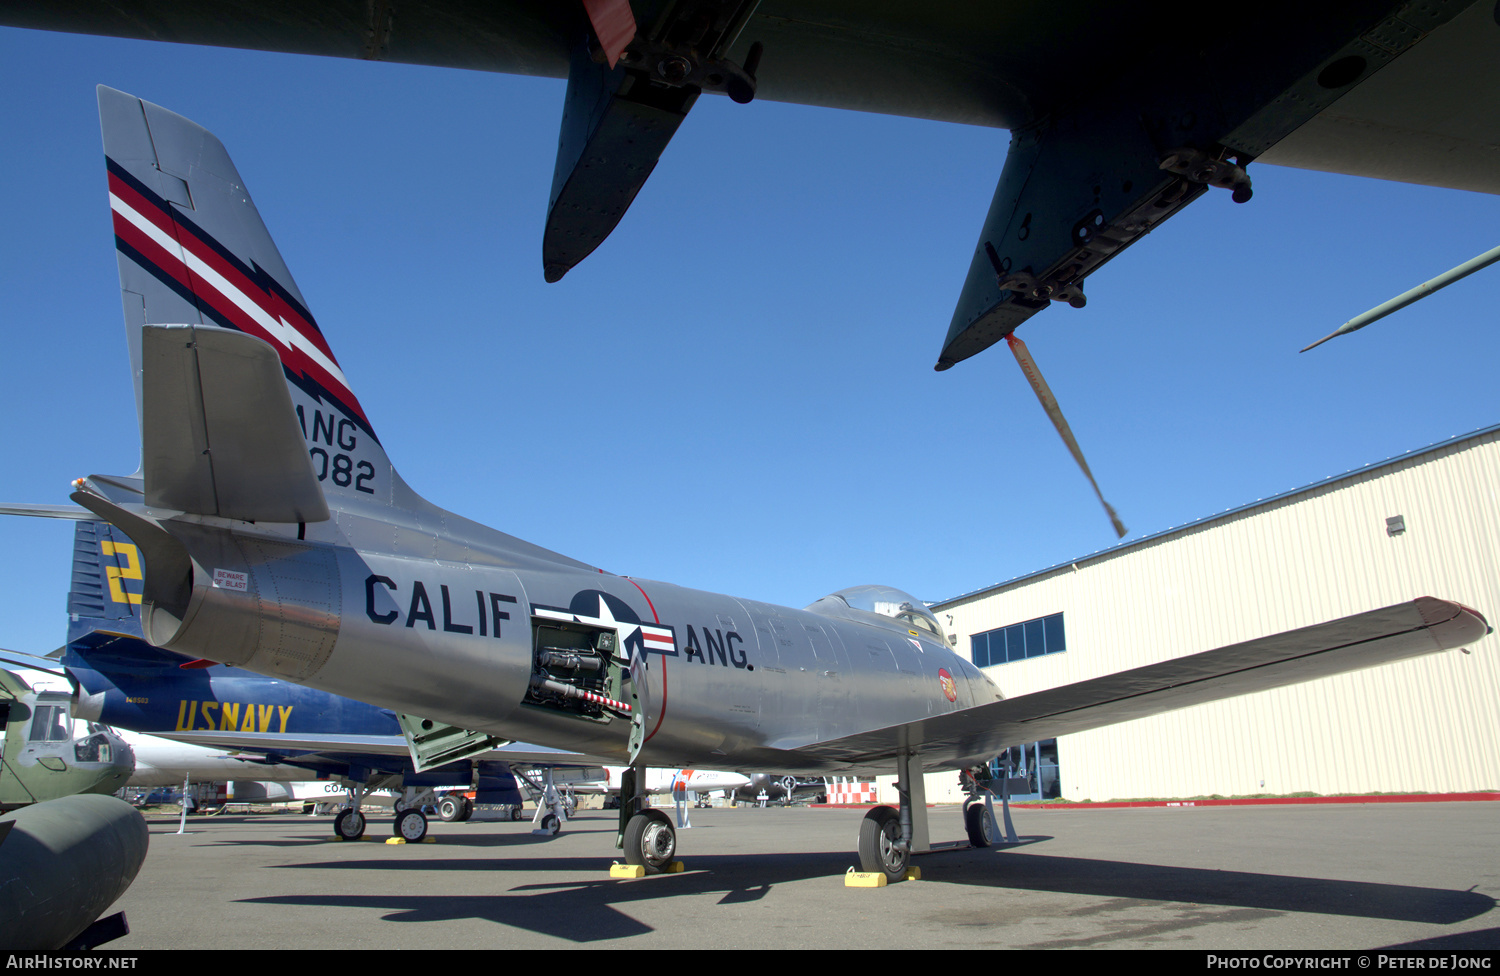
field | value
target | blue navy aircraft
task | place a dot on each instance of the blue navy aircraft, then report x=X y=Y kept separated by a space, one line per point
x=275 y=535
x=121 y=681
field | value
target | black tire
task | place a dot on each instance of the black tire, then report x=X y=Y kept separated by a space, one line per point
x=349 y=825
x=879 y=833
x=650 y=841
x=550 y=824
x=468 y=809
x=450 y=808
x=410 y=826
x=516 y=813
x=977 y=825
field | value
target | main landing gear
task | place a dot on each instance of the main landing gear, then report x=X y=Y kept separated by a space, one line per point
x=979 y=805
x=349 y=824
x=889 y=837
x=979 y=824
x=454 y=808
x=410 y=824
x=881 y=848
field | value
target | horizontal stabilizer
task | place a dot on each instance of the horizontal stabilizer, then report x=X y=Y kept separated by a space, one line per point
x=169 y=586
x=33 y=510
x=20 y=659
x=1364 y=640
x=219 y=432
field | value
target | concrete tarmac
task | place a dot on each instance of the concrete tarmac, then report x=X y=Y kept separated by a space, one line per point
x=1345 y=876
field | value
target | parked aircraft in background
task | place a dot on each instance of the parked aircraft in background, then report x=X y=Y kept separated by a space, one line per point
x=162 y=762
x=214 y=723
x=45 y=754
x=157 y=762
x=658 y=781
x=1119 y=116
x=780 y=789
x=275 y=535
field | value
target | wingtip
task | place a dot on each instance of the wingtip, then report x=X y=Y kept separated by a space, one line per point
x=1452 y=624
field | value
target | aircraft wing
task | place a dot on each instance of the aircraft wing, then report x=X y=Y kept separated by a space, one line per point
x=292 y=745
x=1002 y=65
x=1120 y=116
x=1364 y=640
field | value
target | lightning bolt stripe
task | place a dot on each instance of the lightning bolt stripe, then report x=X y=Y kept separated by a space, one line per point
x=246 y=298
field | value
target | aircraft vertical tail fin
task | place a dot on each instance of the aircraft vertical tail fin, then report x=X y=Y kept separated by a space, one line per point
x=104 y=591
x=219 y=437
x=105 y=643
x=245 y=412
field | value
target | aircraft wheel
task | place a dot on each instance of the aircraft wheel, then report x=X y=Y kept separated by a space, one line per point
x=650 y=840
x=879 y=833
x=349 y=825
x=399 y=805
x=450 y=808
x=550 y=824
x=410 y=826
x=977 y=825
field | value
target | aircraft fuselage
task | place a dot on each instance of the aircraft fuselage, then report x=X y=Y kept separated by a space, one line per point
x=473 y=636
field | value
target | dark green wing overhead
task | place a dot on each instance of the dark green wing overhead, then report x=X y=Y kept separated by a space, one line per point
x=1121 y=113
x=1352 y=643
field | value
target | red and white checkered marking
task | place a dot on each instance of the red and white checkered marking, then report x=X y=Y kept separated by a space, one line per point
x=851 y=793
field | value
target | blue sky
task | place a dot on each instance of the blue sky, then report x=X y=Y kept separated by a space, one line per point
x=735 y=392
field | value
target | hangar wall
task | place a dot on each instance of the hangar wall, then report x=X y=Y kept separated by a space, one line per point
x=1314 y=554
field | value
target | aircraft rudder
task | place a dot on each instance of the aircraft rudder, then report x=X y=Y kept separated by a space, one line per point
x=104 y=590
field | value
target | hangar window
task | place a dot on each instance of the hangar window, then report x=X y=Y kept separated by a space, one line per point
x=1029 y=638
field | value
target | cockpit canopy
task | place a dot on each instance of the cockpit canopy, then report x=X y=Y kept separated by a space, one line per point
x=886 y=601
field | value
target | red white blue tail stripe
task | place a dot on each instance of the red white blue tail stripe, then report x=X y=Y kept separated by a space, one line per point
x=225 y=290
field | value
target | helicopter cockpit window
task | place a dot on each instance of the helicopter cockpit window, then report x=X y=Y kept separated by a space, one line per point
x=94 y=749
x=50 y=723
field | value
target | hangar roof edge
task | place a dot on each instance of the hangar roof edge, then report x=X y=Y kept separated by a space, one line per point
x=1227 y=513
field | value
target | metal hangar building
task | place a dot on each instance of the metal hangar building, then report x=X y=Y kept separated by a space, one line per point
x=1426 y=523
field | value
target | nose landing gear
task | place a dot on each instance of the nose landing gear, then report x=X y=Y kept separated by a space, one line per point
x=646 y=838
x=650 y=841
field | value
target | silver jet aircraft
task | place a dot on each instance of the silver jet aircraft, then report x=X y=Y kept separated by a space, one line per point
x=277 y=537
